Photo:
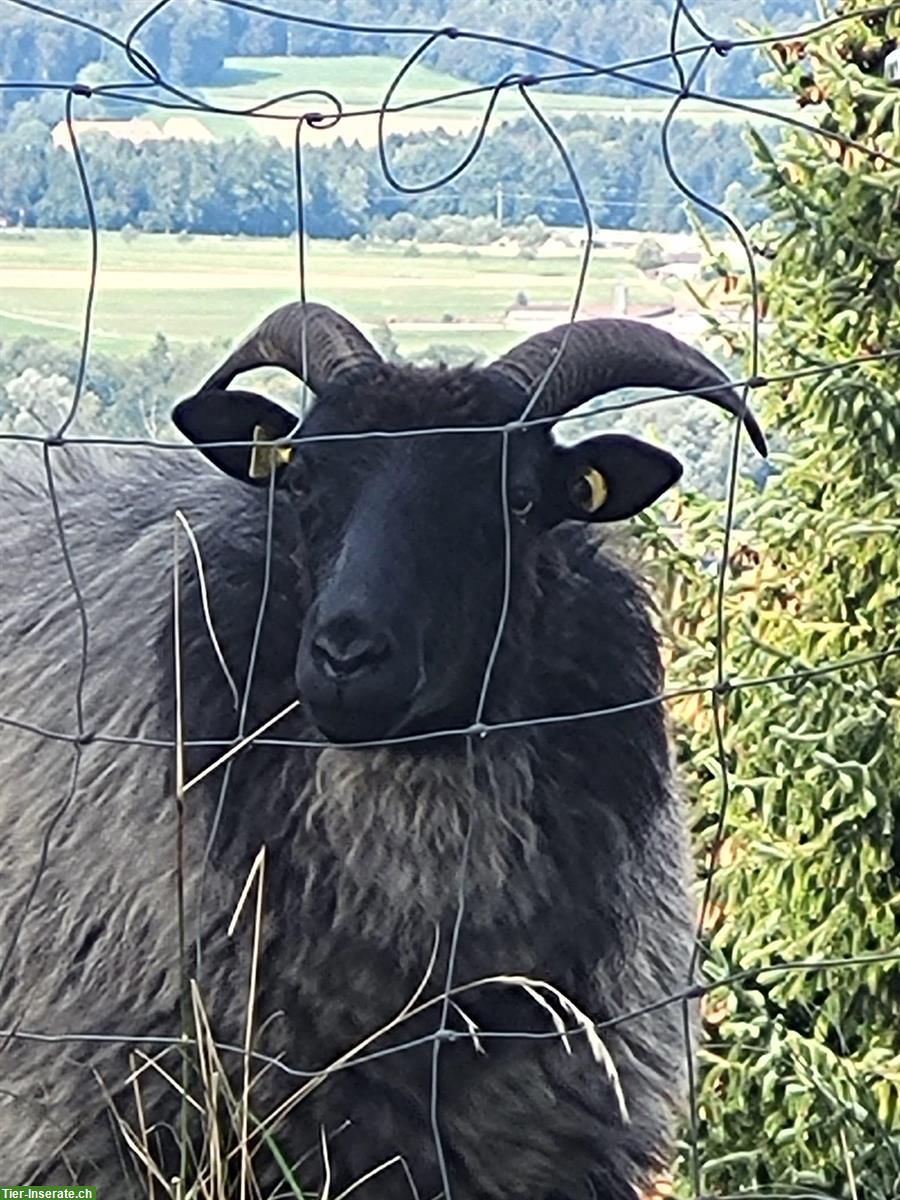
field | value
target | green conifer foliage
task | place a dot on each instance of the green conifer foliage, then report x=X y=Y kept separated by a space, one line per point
x=799 y=1091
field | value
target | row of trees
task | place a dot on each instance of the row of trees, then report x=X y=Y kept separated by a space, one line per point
x=188 y=41
x=247 y=186
x=122 y=397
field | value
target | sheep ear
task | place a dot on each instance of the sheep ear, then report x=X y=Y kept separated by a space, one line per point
x=611 y=477
x=220 y=415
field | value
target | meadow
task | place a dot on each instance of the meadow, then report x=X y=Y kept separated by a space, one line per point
x=360 y=83
x=208 y=287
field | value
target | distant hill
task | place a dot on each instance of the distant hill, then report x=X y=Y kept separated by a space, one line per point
x=190 y=40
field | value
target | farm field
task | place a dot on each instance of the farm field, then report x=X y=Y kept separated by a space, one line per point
x=360 y=83
x=214 y=287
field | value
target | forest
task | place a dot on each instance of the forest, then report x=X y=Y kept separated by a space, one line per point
x=247 y=185
x=188 y=41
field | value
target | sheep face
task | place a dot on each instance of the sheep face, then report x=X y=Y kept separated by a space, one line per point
x=403 y=537
x=404 y=551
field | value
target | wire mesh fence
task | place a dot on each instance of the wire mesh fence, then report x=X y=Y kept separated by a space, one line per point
x=689 y=49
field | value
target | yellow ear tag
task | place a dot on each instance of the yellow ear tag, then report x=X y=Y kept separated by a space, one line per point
x=264 y=457
x=589 y=491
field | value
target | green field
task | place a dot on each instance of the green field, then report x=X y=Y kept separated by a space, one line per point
x=214 y=287
x=360 y=82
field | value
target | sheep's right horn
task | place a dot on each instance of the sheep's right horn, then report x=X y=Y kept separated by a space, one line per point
x=312 y=341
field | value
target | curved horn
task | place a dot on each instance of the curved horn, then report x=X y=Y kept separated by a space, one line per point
x=333 y=346
x=607 y=353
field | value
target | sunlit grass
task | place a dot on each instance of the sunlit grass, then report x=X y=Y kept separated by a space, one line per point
x=213 y=287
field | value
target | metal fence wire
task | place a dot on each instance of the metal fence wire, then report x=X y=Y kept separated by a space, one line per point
x=326 y=109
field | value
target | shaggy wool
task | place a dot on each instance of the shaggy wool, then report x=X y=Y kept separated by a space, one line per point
x=565 y=840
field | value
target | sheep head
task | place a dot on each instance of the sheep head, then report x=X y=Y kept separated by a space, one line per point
x=410 y=483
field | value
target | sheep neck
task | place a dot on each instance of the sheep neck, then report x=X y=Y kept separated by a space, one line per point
x=398 y=825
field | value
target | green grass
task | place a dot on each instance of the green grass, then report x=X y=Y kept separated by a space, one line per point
x=360 y=82
x=213 y=287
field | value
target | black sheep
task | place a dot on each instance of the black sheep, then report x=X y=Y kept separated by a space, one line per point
x=564 y=838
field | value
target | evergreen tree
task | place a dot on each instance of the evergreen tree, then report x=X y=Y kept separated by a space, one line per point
x=801 y=1082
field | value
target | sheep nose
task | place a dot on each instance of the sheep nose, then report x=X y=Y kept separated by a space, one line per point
x=347 y=646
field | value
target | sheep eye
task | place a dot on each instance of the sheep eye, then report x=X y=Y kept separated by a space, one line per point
x=298 y=477
x=589 y=491
x=520 y=505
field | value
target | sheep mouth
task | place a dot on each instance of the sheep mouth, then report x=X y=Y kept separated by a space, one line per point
x=346 y=726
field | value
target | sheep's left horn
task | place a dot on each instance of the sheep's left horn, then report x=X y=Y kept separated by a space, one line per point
x=312 y=341
x=593 y=357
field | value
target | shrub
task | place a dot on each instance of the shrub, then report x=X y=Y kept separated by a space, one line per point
x=649 y=255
